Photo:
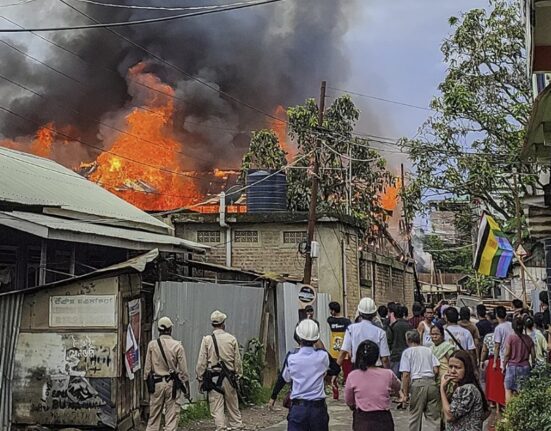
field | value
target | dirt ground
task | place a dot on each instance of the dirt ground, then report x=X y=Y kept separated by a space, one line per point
x=254 y=418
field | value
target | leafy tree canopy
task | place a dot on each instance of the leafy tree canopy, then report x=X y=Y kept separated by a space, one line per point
x=335 y=145
x=471 y=145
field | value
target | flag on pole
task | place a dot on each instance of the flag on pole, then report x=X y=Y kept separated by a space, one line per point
x=494 y=253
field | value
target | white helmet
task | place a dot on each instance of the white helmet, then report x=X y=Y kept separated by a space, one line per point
x=367 y=306
x=308 y=330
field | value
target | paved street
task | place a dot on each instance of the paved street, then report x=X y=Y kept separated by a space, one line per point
x=341 y=419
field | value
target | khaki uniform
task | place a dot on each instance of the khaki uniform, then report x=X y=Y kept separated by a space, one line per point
x=229 y=353
x=154 y=361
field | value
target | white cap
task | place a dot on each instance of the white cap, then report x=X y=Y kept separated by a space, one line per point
x=367 y=306
x=164 y=323
x=308 y=330
x=217 y=317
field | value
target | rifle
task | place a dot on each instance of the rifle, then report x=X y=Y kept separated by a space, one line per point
x=232 y=376
x=177 y=384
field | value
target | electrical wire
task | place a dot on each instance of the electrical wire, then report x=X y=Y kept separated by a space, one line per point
x=345 y=156
x=138 y=21
x=381 y=99
x=19 y=3
x=167 y=8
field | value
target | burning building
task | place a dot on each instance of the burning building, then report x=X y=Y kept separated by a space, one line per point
x=148 y=119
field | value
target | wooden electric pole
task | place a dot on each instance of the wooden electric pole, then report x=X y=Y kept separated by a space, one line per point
x=314 y=191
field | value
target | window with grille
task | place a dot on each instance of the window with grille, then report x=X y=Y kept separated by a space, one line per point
x=205 y=236
x=246 y=236
x=294 y=237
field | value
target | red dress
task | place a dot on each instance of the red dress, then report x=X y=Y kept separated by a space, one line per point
x=495 y=387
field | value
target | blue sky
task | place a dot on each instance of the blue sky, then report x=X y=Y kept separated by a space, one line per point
x=394 y=48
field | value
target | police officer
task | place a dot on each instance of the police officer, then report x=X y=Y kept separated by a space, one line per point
x=306 y=369
x=209 y=359
x=365 y=329
x=155 y=362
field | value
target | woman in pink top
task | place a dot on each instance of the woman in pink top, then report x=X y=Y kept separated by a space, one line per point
x=368 y=389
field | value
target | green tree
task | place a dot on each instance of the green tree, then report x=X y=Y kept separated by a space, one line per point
x=342 y=185
x=335 y=145
x=264 y=152
x=471 y=145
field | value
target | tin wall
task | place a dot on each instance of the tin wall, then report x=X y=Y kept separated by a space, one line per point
x=10 y=318
x=189 y=305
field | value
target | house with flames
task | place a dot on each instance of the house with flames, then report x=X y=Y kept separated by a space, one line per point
x=72 y=256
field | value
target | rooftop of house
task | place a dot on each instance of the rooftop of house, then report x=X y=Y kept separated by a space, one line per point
x=284 y=217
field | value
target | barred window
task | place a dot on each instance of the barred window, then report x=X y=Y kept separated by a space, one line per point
x=246 y=236
x=205 y=236
x=294 y=237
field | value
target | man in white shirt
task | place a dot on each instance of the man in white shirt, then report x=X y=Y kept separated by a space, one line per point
x=457 y=335
x=420 y=367
x=365 y=330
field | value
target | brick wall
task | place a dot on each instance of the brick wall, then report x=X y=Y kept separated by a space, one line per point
x=390 y=280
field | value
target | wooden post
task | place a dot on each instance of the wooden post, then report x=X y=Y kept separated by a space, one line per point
x=314 y=191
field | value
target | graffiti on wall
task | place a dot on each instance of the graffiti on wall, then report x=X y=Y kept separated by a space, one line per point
x=69 y=392
x=92 y=355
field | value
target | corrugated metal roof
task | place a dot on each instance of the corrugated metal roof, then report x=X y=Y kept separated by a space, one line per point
x=56 y=228
x=31 y=180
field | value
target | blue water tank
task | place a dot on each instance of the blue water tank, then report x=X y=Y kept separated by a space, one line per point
x=267 y=192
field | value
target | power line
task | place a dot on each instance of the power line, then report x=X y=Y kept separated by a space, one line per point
x=138 y=21
x=167 y=8
x=381 y=99
x=17 y=3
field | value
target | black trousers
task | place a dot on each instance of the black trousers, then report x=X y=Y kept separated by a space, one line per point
x=372 y=421
x=308 y=417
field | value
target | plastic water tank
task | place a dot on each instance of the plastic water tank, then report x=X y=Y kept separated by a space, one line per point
x=269 y=194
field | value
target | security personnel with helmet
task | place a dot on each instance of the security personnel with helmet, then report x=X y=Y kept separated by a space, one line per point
x=219 y=368
x=365 y=329
x=306 y=369
x=164 y=360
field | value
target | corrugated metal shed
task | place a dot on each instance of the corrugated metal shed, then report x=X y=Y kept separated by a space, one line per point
x=30 y=180
x=57 y=228
x=10 y=318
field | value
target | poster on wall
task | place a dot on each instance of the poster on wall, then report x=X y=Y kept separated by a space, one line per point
x=133 y=337
x=83 y=311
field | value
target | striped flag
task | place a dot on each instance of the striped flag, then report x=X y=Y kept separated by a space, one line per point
x=494 y=253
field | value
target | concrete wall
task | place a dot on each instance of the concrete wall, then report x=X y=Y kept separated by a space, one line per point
x=339 y=259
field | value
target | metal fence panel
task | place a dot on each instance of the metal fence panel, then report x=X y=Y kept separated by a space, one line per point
x=189 y=305
x=10 y=320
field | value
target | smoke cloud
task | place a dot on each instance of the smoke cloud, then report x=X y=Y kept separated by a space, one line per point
x=267 y=56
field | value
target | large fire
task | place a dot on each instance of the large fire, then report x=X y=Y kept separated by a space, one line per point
x=142 y=165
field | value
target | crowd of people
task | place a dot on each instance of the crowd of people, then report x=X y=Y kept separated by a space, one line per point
x=447 y=366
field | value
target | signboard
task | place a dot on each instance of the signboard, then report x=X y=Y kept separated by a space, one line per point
x=83 y=311
x=306 y=294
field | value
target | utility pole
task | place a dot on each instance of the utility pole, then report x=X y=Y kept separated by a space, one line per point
x=314 y=190
x=418 y=294
x=519 y=238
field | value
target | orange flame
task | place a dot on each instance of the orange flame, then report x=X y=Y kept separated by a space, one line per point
x=42 y=143
x=388 y=199
x=280 y=129
x=146 y=171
